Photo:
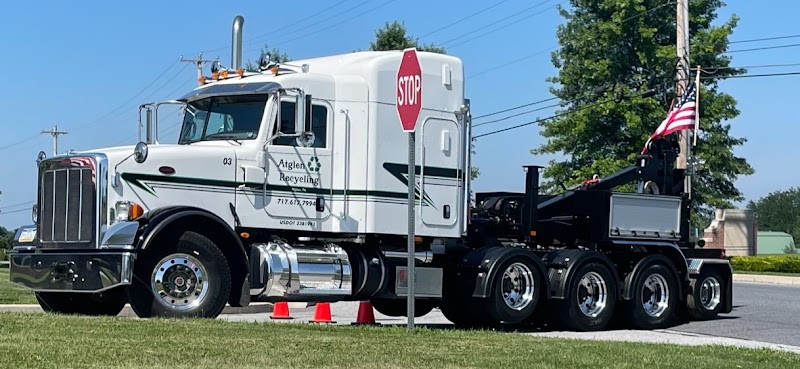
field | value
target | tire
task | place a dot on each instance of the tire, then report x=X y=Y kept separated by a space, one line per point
x=458 y=305
x=185 y=276
x=705 y=296
x=515 y=290
x=456 y=312
x=654 y=299
x=590 y=298
x=108 y=303
x=399 y=307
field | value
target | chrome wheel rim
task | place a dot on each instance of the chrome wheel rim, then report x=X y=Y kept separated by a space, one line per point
x=180 y=281
x=518 y=286
x=655 y=295
x=710 y=293
x=592 y=294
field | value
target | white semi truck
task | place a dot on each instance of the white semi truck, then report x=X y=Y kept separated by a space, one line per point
x=289 y=184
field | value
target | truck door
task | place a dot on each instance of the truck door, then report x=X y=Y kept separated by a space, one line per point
x=441 y=172
x=299 y=179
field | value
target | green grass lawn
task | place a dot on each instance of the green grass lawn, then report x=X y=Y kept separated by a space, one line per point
x=52 y=341
x=11 y=293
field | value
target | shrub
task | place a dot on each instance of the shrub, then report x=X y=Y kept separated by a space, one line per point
x=775 y=264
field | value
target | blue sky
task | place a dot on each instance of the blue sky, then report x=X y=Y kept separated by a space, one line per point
x=86 y=68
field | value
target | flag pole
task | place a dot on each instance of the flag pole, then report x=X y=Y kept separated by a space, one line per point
x=697 y=105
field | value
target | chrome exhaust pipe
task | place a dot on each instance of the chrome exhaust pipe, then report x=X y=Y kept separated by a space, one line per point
x=236 y=47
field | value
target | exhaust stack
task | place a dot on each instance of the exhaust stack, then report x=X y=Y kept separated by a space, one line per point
x=236 y=48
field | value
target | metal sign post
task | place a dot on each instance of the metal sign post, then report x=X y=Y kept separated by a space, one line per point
x=411 y=273
x=409 y=104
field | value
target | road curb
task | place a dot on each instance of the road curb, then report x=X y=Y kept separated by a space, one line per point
x=127 y=311
x=764 y=278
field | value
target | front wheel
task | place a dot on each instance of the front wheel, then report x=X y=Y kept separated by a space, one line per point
x=109 y=302
x=189 y=278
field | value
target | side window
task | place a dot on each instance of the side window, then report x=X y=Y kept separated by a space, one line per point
x=319 y=125
x=218 y=123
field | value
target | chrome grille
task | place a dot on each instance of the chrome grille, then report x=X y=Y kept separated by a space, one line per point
x=68 y=203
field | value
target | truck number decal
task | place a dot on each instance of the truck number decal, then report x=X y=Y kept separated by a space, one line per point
x=227 y=161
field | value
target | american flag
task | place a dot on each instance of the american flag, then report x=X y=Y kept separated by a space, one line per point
x=85 y=162
x=681 y=117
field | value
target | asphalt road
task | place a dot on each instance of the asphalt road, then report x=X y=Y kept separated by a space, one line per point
x=763 y=313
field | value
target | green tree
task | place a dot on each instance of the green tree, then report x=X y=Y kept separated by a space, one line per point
x=394 y=36
x=779 y=211
x=6 y=238
x=613 y=49
x=275 y=55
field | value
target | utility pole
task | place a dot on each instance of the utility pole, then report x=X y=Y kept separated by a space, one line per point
x=55 y=133
x=682 y=39
x=199 y=62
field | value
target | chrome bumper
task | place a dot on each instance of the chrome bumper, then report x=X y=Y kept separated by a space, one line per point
x=73 y=272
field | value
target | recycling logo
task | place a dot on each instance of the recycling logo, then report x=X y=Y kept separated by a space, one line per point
x=314 y=164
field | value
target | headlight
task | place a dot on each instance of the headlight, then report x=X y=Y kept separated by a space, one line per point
x=126 y=211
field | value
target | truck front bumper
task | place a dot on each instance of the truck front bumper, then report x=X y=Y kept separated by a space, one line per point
x=73 y=272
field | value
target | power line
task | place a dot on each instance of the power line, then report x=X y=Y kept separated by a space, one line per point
x=17 y=204
x=337 y=24
x=763 y=39
x=13 y=211
x=762 y=48
x=714 y=70
x=753 y=75
x=626 y=97
x=23 y=141
x=498 y=21
x=265 y=35
x=515 y=108
x=492 y=69
x=103 y=117
x=515 y=115
x=556 y=48
x=560 y=114
x=463 y=19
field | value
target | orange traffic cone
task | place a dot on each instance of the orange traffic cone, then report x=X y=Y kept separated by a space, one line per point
x=281 y=311
x=365 y=314
x=322 y=313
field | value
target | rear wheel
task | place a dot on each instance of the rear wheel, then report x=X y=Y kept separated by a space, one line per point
x=189 y=278
x=515 y=290
x=655 y=296
x=590 y=298
x=705 y=298
x=399 y=307
x=109 y=302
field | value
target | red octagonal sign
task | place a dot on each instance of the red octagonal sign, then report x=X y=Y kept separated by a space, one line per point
x=409 y=90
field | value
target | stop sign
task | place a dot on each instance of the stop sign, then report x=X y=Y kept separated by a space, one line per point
x=409 y=90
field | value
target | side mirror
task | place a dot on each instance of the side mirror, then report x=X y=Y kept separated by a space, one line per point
x=302 y=121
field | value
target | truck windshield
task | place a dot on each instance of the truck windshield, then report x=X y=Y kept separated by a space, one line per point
x=223 y=118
